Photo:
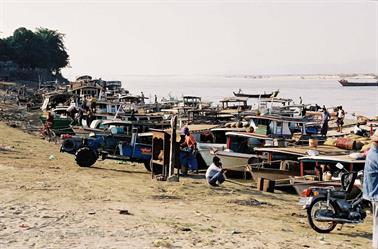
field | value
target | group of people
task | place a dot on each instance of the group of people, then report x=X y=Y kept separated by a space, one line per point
x=326 y=116
x=188 y=160
x=86 y=111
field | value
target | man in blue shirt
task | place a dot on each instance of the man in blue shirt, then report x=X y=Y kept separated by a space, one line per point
x=370 y=188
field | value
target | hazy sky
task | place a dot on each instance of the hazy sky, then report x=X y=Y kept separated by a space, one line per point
x=206 y=37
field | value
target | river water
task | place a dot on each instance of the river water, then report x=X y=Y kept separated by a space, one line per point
x=359 y=100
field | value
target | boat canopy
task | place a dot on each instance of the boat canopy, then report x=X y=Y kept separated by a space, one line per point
x=323 y=150
x=248 y=135
x=331 y=159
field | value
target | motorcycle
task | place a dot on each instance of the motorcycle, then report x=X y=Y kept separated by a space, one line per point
x=326 y=207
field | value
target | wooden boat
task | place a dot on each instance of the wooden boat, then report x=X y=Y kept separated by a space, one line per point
x=273 y=173
x=62 y=122
x=240 y=150
x=348 y=83
x=261 y=95
x=217 y=142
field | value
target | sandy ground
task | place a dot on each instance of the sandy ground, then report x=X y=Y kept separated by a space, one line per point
x=52 y=203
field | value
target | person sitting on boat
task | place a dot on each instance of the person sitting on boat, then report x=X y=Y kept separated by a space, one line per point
x=359 y=131
x=71 y=110
x=188 y=152
x=325 y=118
x=93 y=103
x=215 y=173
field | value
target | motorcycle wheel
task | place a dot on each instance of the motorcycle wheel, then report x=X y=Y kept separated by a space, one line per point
x=320 y=227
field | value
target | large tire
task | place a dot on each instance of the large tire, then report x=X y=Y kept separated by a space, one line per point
x=68 y=146
x=311 y=211
x=85 y=157
x=147 y=165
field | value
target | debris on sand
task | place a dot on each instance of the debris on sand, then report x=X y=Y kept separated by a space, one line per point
x=250 y=202
x=165 y=197
x=6 y=148
x=162 y=243
x=124 y=212
x=185 y=229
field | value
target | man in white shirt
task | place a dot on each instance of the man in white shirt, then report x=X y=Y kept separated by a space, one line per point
x=359 y=131
x=214 y=174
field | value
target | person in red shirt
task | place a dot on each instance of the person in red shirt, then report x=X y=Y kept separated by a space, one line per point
x=189 y=148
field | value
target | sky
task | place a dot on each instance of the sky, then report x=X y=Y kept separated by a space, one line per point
x=195 y=37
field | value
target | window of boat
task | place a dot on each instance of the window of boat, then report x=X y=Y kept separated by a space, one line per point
x=246 y=145
x=113 y=108
x=206 y=137
x=220 y=137
x=145 y=139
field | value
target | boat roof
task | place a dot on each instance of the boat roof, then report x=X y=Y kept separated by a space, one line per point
x=336 y=159
x=194 y=128
x=191 y=97
x=277 y=118
x=235 y=99
x=248 y=135
x=128 y=122
x=228 y=129
x=275 y=99
x=324 y=150
x=201 y=127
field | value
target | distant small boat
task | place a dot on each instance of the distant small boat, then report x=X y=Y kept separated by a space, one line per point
x=347 y=83
x=262 y=95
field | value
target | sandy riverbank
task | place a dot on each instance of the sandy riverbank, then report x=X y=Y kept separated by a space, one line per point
x=55 y=204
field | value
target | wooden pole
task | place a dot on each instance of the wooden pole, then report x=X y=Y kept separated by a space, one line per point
x=172 y=152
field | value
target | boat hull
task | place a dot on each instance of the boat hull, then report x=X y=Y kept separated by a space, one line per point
x=347 y=83
x=272 y=174
x=60 y=125
x=206 y=150
x=232 y=161
x=265 y=95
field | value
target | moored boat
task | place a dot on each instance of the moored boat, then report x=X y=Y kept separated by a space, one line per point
x=349 y=83
x=256 y=95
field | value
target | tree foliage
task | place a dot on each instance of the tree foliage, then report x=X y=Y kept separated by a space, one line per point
x=43 y=48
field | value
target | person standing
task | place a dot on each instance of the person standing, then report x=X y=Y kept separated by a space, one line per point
x=93 y=102
x=188 y=152
x=370 y=185
x=325 y=119
x=215 y=173
x=340 y=118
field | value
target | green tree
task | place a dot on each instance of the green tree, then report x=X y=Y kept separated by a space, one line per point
x=54 y=52
x=23 y=45
x=30 y=50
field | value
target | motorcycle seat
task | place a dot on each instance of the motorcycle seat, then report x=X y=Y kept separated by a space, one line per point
x=340 y=194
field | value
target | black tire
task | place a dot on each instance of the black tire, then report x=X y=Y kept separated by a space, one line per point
x=147 y=165
x=311 y=222
x=85 y=157
x=68 y=146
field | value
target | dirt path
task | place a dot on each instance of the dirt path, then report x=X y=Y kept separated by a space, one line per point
x=55 y=204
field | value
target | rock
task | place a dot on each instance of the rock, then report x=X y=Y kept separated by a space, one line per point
x=162 y=243
x=51 y=157
x=92 y=212
x=124 y=212
x=236 y=232
x=185 y=229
